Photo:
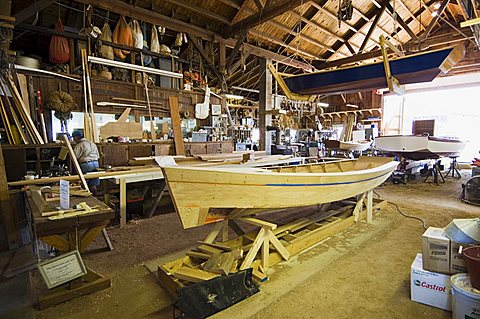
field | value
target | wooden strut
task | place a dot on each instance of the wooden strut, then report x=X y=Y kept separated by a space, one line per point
x=145 y=85
x=289 y=94
x=75 y=163
x=393 y=84
x=93 y=121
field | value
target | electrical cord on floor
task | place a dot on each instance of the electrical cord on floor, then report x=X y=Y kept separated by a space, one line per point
x=409 y=216
x=403 y=214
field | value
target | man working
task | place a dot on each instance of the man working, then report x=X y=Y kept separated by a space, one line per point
x=86 y=153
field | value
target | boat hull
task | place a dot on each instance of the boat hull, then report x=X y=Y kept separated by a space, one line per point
x=419 y=147
x=195 y=190
x=422 y=67
x=348 y=146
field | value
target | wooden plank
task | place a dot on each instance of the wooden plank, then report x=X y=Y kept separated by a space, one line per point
x=358 y=207
x=75 y=163
x=89 y=236
x=7 y=209
x=177 y=129
x=193 y=275
x=219 y=264
x=22 y=81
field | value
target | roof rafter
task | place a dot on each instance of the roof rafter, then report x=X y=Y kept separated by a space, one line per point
x=373 y=25
x=200 y=11
x=263 y=16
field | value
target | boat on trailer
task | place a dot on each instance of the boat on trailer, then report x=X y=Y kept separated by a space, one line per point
x=199 y=192
x=420 y=147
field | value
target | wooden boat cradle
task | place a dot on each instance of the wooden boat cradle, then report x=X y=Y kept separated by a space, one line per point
x=213 y=258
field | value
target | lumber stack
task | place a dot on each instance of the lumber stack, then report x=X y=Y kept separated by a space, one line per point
x=14 y=113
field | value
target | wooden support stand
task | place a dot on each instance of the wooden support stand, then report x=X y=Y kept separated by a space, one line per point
x=296 y=236
x=84 y=285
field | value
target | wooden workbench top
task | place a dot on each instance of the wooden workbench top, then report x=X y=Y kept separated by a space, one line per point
x=45 y=227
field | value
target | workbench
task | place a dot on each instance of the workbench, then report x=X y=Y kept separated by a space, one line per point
x=123 y=180
x=68 y=234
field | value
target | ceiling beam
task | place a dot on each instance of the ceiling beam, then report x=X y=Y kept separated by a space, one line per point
x=334 y=16
x=276 y=9
x=231 y=3
x=401 y=22
x=364 y=17
x=198 y=45
x=435 y=19
x=271 y=39
x=373 y=25
x=32 y=9
x=199 y=11
x=410 y=13
x=240 y=12
x=235 y=50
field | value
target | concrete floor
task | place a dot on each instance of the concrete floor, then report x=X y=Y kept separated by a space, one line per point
x=362 y=272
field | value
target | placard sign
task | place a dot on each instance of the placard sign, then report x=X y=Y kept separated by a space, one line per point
x=64 y=194
x=62 y=269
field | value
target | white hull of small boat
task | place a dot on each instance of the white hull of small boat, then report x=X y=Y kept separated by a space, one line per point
x=196 y=190
x=419 y=147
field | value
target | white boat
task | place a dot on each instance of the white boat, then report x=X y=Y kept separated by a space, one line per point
x=358 y=146
x=419 y=147
x=195 y=191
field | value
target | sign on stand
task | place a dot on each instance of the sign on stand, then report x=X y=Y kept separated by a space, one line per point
x=62 y=269
x=64 y=194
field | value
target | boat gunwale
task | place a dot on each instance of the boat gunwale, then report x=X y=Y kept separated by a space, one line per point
x=266 y=172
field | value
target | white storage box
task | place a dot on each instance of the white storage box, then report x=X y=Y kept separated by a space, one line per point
x=430 y=288
x=436 y=250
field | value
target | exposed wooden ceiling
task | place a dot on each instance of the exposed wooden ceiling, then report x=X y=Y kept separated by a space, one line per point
x=299 y=33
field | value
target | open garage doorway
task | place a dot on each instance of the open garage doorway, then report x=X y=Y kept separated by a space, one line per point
x=448 y=107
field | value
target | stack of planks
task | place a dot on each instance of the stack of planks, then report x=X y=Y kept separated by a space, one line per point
x=14 y=113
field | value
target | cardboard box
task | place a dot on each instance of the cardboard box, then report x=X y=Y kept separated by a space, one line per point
x=436 y=250
x=457 y=261
x=430 y=288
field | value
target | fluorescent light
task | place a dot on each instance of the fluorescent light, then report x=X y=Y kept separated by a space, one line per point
x=323 y=104
x=134 y=67
x=234 y=97
x=352 y=105
x=434 y=13
x=437 y=5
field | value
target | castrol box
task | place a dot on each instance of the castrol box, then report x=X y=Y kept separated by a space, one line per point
x=430 y=288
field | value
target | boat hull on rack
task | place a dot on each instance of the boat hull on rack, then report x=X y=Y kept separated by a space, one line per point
x=196 y=190
x=419 y=147
x=415 y=68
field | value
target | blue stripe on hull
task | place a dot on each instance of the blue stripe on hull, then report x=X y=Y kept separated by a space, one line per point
x=329 y=184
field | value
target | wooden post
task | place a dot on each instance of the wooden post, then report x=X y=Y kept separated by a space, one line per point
x=358 y=207
x=370 y=206
x=6 y=208
x=123 y=202
x=265 y=104
x=176 y=125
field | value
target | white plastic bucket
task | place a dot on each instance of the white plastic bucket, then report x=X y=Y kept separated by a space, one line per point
x=466 y=299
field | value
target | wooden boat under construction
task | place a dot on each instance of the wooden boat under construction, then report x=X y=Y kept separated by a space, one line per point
x=199 y=192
